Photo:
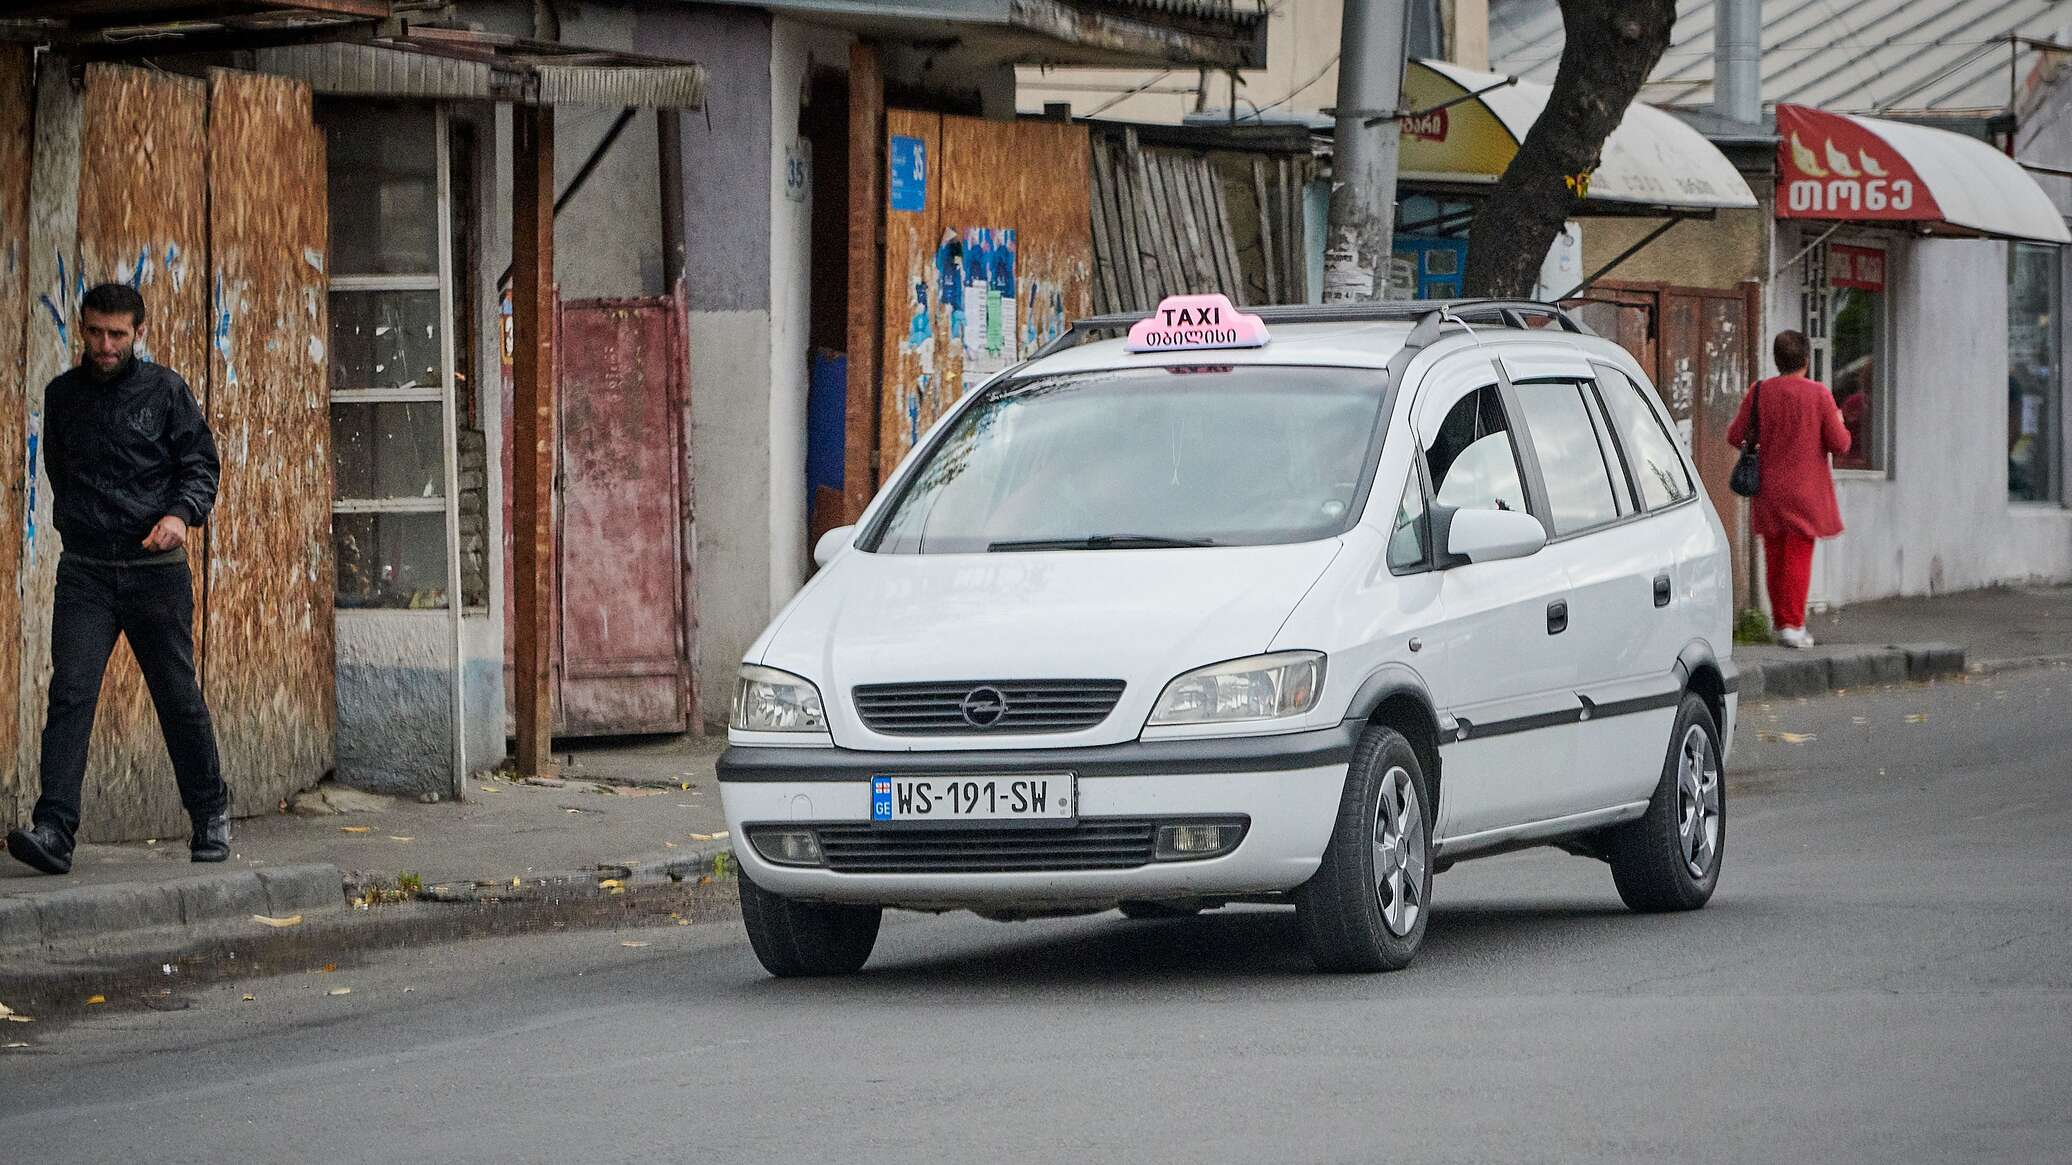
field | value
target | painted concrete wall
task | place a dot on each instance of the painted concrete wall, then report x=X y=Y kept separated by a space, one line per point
x=726 y=150
x=1940 y=520
x=1720 y=253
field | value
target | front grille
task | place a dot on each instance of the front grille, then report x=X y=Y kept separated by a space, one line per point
x=938 y=709
x=1101 y=843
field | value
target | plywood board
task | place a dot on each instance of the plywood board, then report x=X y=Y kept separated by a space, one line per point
x=15 y=91
x=53 y=279
x=270 y=574
x=147 y=230
x=993 y=189
x=914 y=320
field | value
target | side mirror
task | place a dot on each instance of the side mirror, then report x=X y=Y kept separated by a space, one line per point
x=1491 y=535
x=832 y=543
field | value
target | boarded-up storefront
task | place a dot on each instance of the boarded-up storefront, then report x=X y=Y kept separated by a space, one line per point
x=988 y=256
x=180 y=188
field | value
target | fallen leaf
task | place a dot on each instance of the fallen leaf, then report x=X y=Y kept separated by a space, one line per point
x=687 y=786
x=150 y=841
x=516 y=882
x=611 y=884
x=1918 y=718
x=353 y=828
x=11 y=1018
x=269 y=920
x=631 y=943
x=704 y=837
x=632 y=791
x=489 y=789
x=1785 y=737
x=339 y=991
x=1859 y=720
x=670 y=844
x=248 y=998
x=11 y=1047
x=96 y=1000
x=393 y=837
x=327 y=968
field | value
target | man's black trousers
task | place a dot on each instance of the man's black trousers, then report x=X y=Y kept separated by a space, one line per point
x=153 y=607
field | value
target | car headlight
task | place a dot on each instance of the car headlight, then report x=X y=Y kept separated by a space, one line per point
x=1262 y=687
x=768 y=700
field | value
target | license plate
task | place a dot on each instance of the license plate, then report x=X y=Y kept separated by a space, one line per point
x=947 y=797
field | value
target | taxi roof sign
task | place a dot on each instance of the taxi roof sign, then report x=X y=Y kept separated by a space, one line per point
x=1184 y=323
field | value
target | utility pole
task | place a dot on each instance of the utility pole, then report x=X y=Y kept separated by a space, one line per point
x=1363 y=164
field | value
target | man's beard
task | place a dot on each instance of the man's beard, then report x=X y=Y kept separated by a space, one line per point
x=122 y=365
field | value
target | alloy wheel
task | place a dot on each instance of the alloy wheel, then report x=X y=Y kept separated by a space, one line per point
x=1399 y=852
x=1697 y=802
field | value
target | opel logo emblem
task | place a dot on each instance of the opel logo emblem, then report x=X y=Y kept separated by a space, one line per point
x=984 y=707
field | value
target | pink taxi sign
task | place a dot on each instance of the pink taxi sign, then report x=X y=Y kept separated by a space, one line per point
x=1184 y=322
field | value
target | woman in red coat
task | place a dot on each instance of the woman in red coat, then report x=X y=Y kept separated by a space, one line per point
x=1797 y=429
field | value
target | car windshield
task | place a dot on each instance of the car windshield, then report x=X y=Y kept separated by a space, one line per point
x=1147 y=457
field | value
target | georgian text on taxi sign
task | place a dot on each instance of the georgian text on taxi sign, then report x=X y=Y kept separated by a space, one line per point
x=1184 y=322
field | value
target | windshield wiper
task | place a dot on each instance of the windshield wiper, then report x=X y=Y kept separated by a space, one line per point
x=1100 y=542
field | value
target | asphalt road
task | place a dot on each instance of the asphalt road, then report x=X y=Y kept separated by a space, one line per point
x=1885 y=975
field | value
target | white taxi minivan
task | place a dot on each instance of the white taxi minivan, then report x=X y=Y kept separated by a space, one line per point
x=1299 y=605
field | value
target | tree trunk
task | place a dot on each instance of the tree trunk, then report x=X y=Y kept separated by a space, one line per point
x=1611 y=47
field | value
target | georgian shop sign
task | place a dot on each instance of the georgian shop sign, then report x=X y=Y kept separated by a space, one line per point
x=1840 y=167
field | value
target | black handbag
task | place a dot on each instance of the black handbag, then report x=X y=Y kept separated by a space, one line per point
x=1748 y=469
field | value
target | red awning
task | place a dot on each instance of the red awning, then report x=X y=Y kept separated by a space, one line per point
x=1842 y=168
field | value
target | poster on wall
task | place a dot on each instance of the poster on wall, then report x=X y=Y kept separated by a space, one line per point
x=909 y=173
x=988 y=305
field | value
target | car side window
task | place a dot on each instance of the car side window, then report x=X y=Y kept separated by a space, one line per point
x=1650 y=451
x=1572 y=464
x=1410 y=539
x=1472 y=458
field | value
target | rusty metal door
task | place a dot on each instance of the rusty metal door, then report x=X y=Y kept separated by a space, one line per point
x=624 y=642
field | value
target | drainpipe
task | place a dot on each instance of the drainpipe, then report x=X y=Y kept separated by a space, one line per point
x=1737 y=61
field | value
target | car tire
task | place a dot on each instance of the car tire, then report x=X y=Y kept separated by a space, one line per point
x=1670 y=858
x=796 y=939
x=1366 y=907
x=1180 y=909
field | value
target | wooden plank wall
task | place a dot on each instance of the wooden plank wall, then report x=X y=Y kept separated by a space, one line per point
x=48 y=350
x=1169 y=221
x=141 y=199
x=1031 y=178
x=15 y=92
x=271 y=580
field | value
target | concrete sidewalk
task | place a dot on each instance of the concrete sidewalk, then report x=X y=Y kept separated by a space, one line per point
x=627 y=812
x=1899 y=640
x=645 y=812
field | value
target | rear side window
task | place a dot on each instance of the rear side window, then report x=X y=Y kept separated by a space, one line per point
x=1579 y=482
x=1650 y=451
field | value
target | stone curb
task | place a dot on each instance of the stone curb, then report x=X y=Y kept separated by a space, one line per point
x=84 y=914
x=1987 y=667
x=1835 y=669
x=711 y=859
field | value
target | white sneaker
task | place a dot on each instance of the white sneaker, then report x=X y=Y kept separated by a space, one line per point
x=1794 y=637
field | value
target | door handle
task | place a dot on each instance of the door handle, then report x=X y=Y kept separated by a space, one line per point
x=1662 y=590
x=1557 y=616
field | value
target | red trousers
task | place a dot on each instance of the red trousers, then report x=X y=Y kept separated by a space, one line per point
x=1788 y=561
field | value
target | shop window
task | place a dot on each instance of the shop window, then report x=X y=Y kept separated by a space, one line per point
x=392 y=354
x=1845 y=319
x=2035 y=388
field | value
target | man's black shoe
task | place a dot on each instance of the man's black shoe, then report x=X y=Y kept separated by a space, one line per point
x=41 y=847
x=211 y=838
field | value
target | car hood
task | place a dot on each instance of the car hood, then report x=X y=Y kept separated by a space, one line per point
x=1140 y=616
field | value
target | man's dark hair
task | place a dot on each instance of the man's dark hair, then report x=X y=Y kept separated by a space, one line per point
x=1791 y=351
x=115 y=299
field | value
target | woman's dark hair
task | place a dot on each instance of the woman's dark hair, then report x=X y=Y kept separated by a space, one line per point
x=115 y=299
x=1791 y=351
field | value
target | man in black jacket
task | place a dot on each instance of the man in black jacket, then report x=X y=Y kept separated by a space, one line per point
x=132 y=468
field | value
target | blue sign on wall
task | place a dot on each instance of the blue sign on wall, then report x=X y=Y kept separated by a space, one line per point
x=909 y=173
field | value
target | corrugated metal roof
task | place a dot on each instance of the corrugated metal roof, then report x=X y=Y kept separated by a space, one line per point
x=1239 y=12
x=1868 y=56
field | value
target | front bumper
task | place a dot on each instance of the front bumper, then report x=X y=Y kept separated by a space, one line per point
x=1288 y=786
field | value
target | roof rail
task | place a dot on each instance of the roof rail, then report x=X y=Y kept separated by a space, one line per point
x=1431 y=316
